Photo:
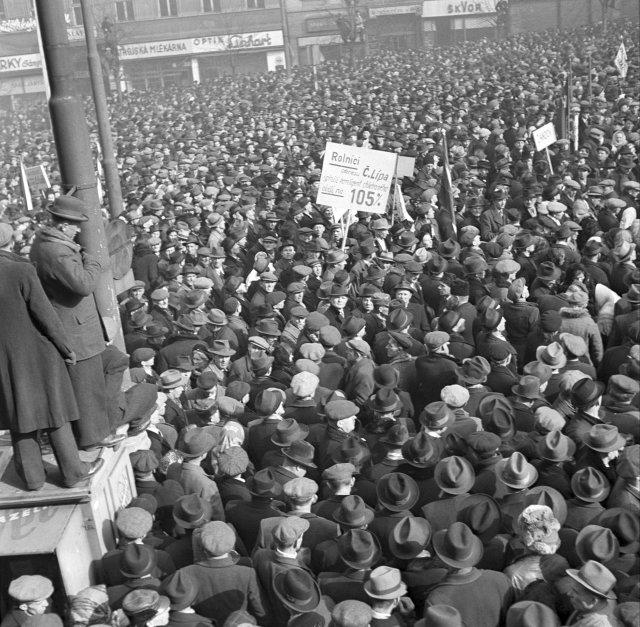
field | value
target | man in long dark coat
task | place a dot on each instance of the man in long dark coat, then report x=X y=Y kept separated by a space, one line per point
x=69 y=276
x=35 y=389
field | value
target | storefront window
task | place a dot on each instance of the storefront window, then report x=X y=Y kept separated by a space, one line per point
x=211 y=6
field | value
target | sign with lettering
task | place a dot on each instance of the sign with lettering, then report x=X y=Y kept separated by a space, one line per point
x=197 y=45
x=406 y=9
x=544 y=136
x=457 y=8
x=356 y=178
x=20 y=62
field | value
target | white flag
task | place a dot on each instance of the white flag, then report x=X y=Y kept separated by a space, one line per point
x=621 y=61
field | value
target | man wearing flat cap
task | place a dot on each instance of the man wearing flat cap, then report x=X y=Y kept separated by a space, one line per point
x=70 y=276
x=30 y=594
x=226 y=581
x=287 y=537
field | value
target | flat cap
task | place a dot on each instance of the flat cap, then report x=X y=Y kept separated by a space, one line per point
x=288 y=529
x=28 y=588
x=339 y=472
x=134 y=522
x=300 y=488
x=339 y=410
x=436 y=339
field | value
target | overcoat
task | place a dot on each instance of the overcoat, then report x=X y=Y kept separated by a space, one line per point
x=35 y=389
x=69 y=277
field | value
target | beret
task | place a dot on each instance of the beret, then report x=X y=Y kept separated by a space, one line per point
x=339 y=472
x=300 y=488
x=134 y=522
x=233 y=461
x=29 y=588
x=339 y=410
x=312 y=350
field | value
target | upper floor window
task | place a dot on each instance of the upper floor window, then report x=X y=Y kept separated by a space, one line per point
x=211 y=6
x=124 y=10
x=76 y=9
x=168 y=8
x=255 y=4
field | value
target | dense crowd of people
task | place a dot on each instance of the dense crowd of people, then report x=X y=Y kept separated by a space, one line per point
x=425 y=417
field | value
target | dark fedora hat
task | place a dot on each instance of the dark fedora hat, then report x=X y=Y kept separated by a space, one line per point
x=182 y=589
x=359 y=549
x=409 y=537
x=556 y=447
x=449 y=249
x=196 y=442
x=473 y=370
x=264 y=484
x=481 y=513
x=289 y=430
x=597 y=543
x=548 y=271
x=386 y=400
x=625 y=526
x=590 y=485
x=528 y=387
x=420 y=451
x=585 y=392
x=137 y=560
x=516 y=472
x=69 y=208
x=437 y=416
x=353 y=512
x=301 y=453
x=552 y=498
x=397 y=492
x=396 y=436
x=458 y=546
x=191 y=511
x=352 y=451
x=454 y=475
x=297 y=590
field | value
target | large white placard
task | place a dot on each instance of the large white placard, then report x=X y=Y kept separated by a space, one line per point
x=544 y=136
x=356 y=178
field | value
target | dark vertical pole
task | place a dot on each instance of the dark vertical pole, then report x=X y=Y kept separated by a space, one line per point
x=112 y=178
x=71 y=137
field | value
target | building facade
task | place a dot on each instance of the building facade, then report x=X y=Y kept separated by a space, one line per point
x=155 y=43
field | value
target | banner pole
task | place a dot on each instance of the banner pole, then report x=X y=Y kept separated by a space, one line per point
x=347 y=224
x=395 y=191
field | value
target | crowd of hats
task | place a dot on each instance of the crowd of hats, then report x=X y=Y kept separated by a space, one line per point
x=521 y=445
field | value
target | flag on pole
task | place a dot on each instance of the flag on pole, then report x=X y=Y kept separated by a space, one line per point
x=445 y=193
x=28 y=203
x=621 y=62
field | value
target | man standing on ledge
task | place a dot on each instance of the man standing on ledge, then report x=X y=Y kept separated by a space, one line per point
x=69 y=276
